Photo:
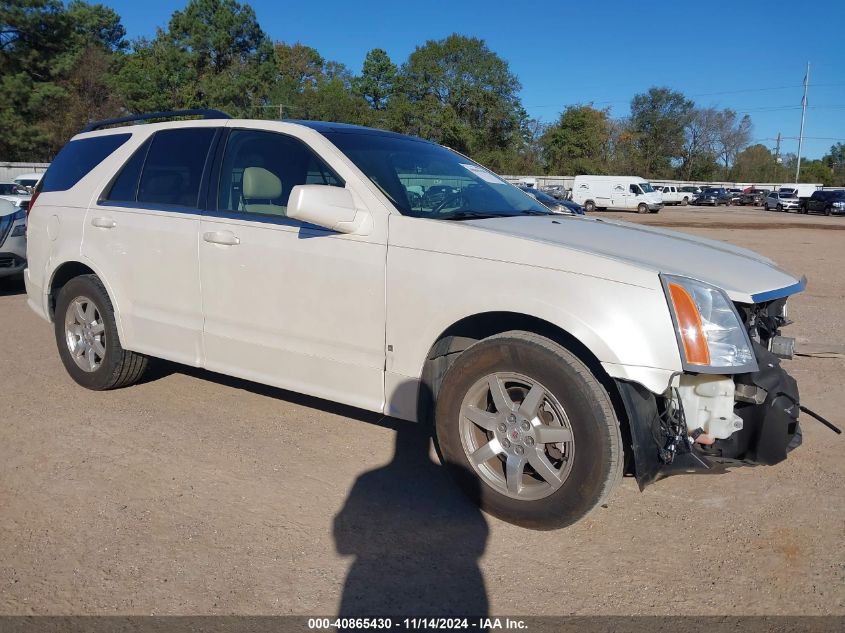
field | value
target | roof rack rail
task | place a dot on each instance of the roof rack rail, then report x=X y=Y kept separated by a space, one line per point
x=205 y=113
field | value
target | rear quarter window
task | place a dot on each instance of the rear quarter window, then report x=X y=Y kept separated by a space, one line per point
x=77 y=158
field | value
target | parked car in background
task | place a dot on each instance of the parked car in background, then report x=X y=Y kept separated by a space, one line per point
x=691 y=189
x=782 y=201
x=735 y=195
x=831 y=202
x=551 y=352
x=553 y=204
x=674 y=195
x=753 y=197
x=29 y=180
x=15 y=193
x=559 y=192
x=12 y=239
x=714 y=196
x=616 y=192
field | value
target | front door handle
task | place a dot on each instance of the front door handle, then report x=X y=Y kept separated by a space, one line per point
x=227 y=238
x=104 y=223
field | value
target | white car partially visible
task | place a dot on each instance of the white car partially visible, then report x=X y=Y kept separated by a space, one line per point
x=12 y=239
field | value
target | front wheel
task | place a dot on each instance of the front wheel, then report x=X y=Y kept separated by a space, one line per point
x=87 y=338
x=528 y=431
x=828 y=209
x=685 y=201
x=779 y=208
x=642 y=208
x=589 y=206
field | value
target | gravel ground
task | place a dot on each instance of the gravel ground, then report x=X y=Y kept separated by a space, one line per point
x=194 y=493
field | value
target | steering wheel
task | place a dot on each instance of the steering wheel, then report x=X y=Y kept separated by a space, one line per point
x=452 y=197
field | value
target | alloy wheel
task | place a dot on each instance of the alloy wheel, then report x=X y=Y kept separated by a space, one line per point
x=516 y=436
x=85 y=334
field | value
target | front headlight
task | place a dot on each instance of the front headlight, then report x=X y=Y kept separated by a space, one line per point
x=711 y=336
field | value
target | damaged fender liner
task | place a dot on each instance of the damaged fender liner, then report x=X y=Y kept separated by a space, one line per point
x=770 y=429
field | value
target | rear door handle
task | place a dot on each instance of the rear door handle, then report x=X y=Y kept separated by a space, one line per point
x=227 y=238
x=104 y=223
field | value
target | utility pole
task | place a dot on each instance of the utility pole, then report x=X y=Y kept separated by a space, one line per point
x=777 y=156
x=803 y=112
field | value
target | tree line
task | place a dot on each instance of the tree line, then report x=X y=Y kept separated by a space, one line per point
x=62 y=65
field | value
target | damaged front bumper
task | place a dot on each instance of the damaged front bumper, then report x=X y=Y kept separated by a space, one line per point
x=765 y=411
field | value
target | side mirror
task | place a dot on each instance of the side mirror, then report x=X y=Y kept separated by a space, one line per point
x=332 y=208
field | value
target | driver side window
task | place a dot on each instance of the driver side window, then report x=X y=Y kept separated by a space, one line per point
x=260 y=169
x=635 y=190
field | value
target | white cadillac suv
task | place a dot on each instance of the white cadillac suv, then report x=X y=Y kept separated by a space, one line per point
x=551 y=352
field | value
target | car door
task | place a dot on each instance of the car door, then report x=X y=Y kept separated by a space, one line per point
x=287 y=303
x=142 y=235
x=619 y=195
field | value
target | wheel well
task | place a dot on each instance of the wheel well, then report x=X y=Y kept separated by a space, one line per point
x=64 y=274
x=461 y=335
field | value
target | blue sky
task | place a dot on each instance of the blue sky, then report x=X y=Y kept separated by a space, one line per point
x=746 y=55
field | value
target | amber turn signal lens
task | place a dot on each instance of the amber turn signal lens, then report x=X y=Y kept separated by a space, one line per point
x=689 y=325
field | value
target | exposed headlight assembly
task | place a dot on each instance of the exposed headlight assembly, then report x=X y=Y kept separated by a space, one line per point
x=711 y=336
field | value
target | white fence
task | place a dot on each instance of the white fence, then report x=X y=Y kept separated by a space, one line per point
x=10 y=171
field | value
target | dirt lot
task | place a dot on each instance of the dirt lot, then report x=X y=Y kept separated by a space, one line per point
x=195 y=493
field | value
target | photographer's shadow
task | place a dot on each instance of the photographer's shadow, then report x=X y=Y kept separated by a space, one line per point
x=415 y=537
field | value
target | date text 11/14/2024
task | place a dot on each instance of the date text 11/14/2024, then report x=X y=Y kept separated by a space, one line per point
x=415 y=624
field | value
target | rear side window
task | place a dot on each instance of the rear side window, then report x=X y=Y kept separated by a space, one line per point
x=77 y=158
x=125 y=186
x=174 y=165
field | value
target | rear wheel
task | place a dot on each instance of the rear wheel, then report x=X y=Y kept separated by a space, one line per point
x=642 y=208
x=589 y=206
x=527 y=431
x=86 y=335
x=685 y=201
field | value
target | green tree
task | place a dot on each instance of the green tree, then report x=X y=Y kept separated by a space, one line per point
x=658 y=120
x=579 y=142
x=458 y=92
x=754 y=164
x=835 y=160
x=377 y=79
x=213 y=54
x=48 y=55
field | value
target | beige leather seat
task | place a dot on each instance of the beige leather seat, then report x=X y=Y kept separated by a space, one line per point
x=260 y=188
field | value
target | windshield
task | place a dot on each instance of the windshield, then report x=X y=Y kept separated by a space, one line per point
x=646 y=187
x=8 y=189
x=426 y=180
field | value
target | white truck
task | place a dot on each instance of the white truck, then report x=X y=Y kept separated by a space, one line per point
x=616 y=192
x=674 y=195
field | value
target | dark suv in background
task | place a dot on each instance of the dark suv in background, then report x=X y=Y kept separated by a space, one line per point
x=827 y=202
x=714 y=196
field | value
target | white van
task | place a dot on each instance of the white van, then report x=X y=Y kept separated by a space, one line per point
x=799 y=190
x=616 y=192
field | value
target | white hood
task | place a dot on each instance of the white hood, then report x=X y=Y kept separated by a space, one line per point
x=740 y=272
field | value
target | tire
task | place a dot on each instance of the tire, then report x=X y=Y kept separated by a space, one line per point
x=779 y=208
x=588 y=464
x=766 y=206
x=642 y=208
x=827 y=210
x=685 y=201
x=589 y=206
x=82 y=299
